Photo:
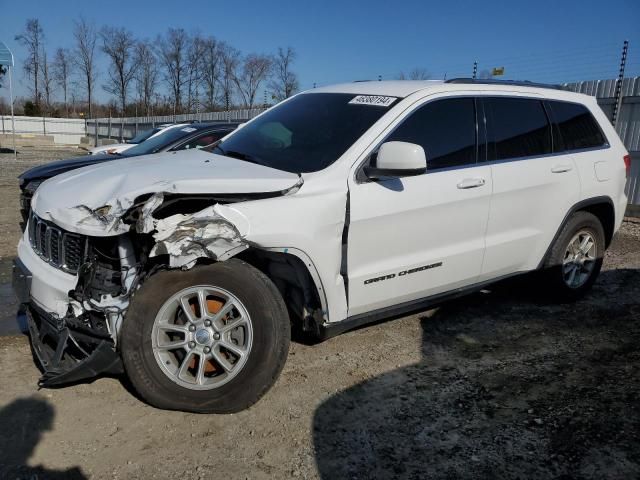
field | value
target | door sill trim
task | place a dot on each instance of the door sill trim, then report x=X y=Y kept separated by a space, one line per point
x=328 y=330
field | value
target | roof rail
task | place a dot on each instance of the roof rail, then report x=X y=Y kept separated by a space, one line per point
x=519 y=83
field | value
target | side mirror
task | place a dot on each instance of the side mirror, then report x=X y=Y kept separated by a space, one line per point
x=398 y=159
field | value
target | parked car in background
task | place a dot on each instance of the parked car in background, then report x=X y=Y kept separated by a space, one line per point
x=141 y=137
x=340 y=206
x=196 y=135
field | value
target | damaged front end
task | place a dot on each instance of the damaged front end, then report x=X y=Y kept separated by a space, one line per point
x=79 y=340
x=156 y=231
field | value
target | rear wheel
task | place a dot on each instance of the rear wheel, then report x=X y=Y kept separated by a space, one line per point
x=212 y=339
x=576 y=257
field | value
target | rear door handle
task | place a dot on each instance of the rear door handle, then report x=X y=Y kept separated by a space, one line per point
x=561 y=168
x=471 y=183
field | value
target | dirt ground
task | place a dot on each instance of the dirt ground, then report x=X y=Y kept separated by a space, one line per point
x=495 y=385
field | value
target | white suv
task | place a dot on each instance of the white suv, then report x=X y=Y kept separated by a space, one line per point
x=339 y=206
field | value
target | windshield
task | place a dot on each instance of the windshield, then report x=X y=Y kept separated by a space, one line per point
x=160 y=141
x=142 y=136
x=307 y=133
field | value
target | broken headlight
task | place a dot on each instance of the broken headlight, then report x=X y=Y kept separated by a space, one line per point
x=32 y=186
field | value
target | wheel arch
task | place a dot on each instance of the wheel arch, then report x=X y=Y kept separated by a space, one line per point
x=291 y=268
x=601 y=207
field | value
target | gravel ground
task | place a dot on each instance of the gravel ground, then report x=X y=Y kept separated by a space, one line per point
x=495 y=385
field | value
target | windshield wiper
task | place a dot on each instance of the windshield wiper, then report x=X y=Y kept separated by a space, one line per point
x=239 y=155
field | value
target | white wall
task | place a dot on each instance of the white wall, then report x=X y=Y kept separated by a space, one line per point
x=67 y=131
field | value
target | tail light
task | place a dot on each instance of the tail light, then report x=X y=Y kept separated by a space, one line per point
x=627 y=164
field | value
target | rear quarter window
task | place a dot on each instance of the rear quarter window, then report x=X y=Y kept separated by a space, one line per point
x=576 y=125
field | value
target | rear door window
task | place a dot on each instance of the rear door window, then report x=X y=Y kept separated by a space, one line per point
x=578 y=129
x=516 y=128
x=446 y=129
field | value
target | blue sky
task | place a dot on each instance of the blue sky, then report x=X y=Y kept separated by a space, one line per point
x=550 y=41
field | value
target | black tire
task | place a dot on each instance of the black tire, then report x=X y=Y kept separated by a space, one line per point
x=271 y=337
x=552 y=274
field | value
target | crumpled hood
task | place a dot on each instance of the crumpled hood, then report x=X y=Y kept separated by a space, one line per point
x=70 y=199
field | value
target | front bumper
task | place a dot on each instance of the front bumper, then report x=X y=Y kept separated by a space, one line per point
x=49 y=286
x=69 y=353
x=21 y=281
x=66 y=347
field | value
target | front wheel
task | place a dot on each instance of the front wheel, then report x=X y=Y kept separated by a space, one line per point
x=212 y=339
x=575 y=259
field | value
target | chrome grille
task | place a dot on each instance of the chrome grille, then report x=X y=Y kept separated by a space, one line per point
x=63 y=250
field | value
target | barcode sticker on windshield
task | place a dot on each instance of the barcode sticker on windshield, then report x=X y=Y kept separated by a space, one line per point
x=375 y=100
x=188 y=129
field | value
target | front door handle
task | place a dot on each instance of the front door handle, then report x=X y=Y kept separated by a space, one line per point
x=561 y=168
x=471 y=183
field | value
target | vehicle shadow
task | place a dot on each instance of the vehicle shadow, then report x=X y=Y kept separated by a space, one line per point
x=507 y=387
x=22 y=423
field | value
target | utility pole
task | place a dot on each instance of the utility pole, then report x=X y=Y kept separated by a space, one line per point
x=618 y=95
x=475 y=70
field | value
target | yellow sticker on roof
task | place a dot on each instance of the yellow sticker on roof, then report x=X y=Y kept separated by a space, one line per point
x=375 y=100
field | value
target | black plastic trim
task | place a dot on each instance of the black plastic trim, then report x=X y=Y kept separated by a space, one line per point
x=374 y=172
x=578 y=206
x=329 y=330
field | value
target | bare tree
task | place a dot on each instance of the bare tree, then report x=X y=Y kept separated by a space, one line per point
x=415 y=74
x=211 y=70
x=284 y=82
x=47 y=80
x=146 y=74
x=32 y=38
x=194 y=67
x=61 y=70
x=119 y=45
x=230 y=58
x=3 y=72
x=86 y=39
x=254 y=69
x=172 y=53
